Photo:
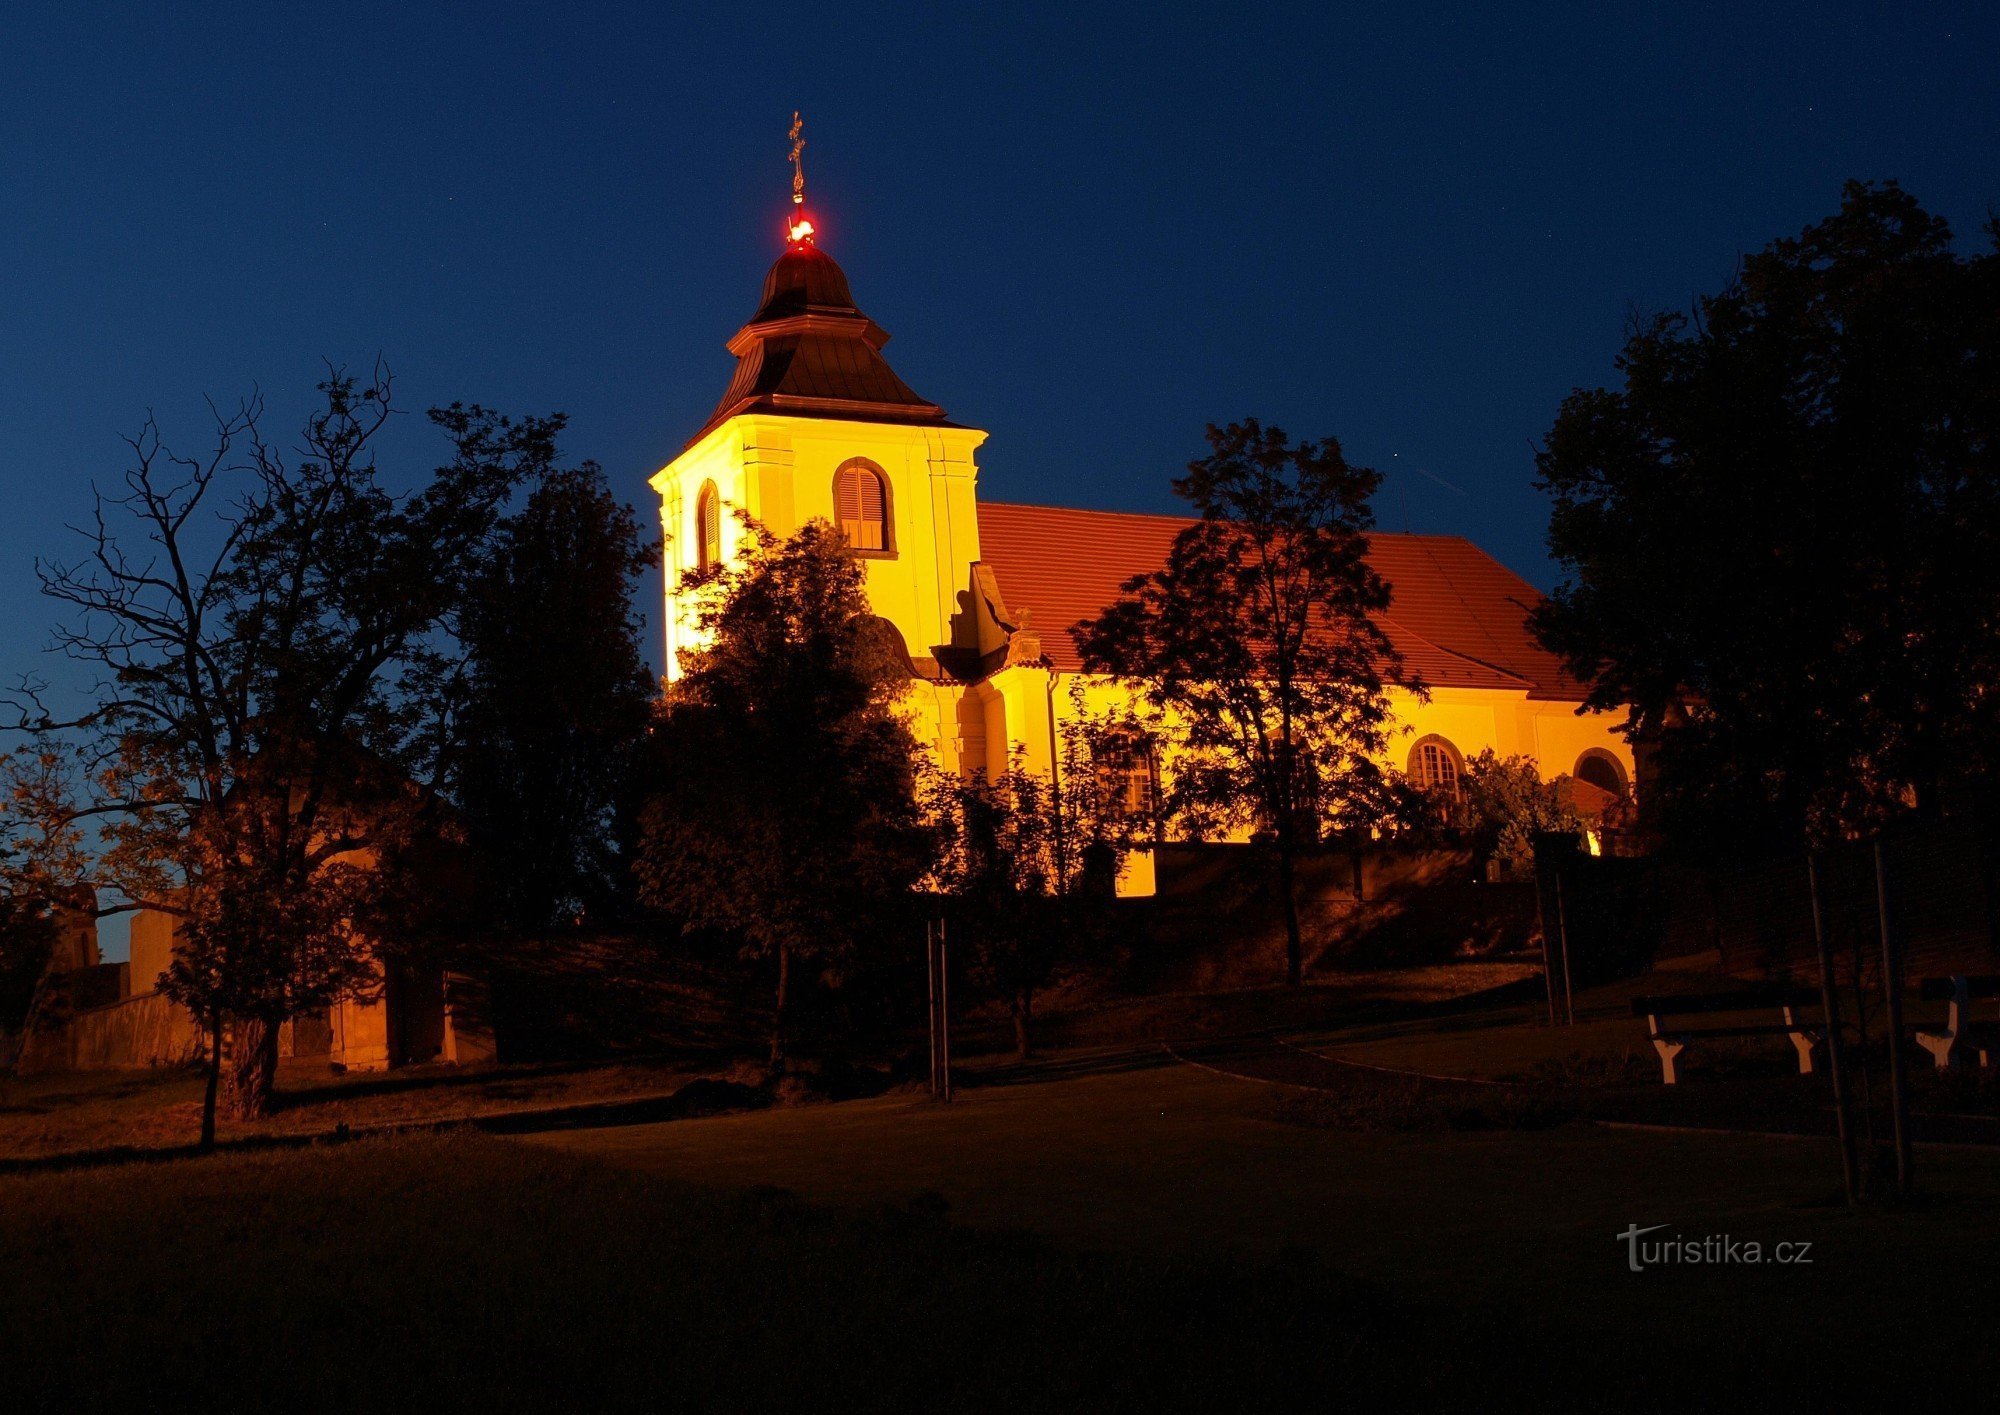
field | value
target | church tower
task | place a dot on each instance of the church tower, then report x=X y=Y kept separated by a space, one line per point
x=816 y=424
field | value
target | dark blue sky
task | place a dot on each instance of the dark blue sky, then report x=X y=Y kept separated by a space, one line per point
x=1090 y=231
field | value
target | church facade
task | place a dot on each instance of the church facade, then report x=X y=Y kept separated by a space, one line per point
x=815 y=423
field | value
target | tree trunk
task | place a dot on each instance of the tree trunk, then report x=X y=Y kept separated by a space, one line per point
x=1023 y=1005
x=253 y=1065
x=1287 y=889
x=208 y=1093
x=33 y=1020
x=778 y=1013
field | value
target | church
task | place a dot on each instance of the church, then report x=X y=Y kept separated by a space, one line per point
x=815 y=423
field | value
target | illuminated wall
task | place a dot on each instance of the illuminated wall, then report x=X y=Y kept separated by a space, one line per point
x=781 y=470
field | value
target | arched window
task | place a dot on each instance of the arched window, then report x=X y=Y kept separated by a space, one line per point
x=707 y=528
x=1602 y=770
x=861 y=506
x=1436 y=766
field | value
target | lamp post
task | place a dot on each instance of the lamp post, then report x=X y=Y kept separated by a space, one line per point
x=1892 y=1004
x=936 y=962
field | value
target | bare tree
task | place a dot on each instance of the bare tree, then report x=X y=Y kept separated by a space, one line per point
x=271 y=633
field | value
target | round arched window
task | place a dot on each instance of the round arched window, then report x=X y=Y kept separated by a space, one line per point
x=707 y=528
x=1602 y=770
x=861 y=505
x=1435 y=765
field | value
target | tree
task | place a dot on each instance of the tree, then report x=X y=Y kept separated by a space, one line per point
x=44 y=859
x=786 y=810
x=1255 y=649
x=27 y=946
x=1500 y=806
x=1027 y=863
x=268 y=649
x=1781 y=536
x=557 y=698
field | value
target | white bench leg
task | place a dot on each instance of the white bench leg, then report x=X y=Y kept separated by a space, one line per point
x=1805 y=1043
x=1941 y=1046
x=1668 y=1050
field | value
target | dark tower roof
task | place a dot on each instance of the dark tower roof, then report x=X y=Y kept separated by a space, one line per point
x=804 y=278
x=809 y=352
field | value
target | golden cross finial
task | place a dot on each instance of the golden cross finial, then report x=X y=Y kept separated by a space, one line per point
x=798 y=161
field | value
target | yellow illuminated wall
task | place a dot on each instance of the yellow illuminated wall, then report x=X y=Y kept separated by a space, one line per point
x=781 y=470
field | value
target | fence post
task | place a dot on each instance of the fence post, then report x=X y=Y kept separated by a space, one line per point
x=1545 y=857
x=930 y=997
x=944 y=1009
x=937 y=974
x=1829 y=998
x=1562 y=929
x=1892 y=1006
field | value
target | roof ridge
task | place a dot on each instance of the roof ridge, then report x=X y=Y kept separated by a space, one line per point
x=1083 y=510
x=1372 y=534
x=1387 y=617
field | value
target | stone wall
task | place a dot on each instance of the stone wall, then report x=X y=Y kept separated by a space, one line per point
x=140 y=1031
x=1216 y=920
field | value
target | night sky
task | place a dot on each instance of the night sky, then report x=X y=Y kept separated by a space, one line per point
x=1089 y=232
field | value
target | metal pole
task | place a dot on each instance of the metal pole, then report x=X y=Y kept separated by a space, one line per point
x=1892 y=1003
x=1542 y=909
x=944 y=1009
x=930 y=997
x=1562 y=927
x=1829 y=1001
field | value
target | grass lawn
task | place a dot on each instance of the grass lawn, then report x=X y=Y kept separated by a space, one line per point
x=1510 y=1039
x=1505 y=1231
x=85 y=1112
x=1135 y=1236
x=1107 y=1229
x=1068 y=1019
x=465 y=1272
x=160 y=1108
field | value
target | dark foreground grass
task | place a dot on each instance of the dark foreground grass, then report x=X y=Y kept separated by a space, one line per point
x=466 y=1272
x=462 y=1272
x=1373 y=1102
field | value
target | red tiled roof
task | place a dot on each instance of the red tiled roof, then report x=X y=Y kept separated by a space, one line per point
x=1457 y=615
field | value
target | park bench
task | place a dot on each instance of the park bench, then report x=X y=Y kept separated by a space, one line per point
x=1670 y=1039
x=1961 y=1033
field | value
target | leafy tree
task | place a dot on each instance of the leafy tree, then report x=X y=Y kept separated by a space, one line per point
x=1501 y=804
x=44 y=858
x=786 y=811
x=1027 y=863
x=1255 y=650
x=557 y=698
x=1781 y=535
x=27 y=943
x=268 y=649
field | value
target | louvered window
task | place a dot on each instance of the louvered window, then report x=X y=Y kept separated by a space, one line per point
x=861 y=505
x=708 y=528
